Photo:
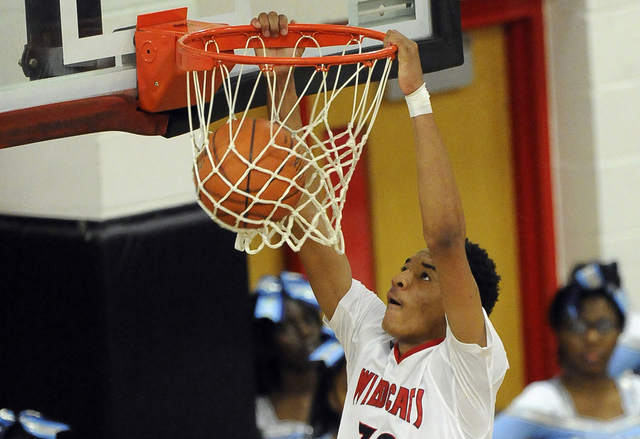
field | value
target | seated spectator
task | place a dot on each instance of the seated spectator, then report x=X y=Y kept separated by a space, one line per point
x=294 y=352
x=597 y=274
x=583 y=401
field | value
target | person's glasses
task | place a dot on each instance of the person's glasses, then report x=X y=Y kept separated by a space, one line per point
x=580 y=327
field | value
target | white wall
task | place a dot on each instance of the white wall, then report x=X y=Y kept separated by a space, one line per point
x=96 y=177
x=594 y=73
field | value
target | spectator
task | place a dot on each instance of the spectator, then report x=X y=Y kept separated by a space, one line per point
x=599 y=274
x=293 y=352
x=583 y=401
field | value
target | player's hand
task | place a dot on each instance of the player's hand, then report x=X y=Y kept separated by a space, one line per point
x=271 y=24
x=274 y=25
x=409 y=66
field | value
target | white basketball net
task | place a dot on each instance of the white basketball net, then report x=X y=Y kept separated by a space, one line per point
x=328 y=158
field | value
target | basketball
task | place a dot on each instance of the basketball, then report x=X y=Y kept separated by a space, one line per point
x=248 y=172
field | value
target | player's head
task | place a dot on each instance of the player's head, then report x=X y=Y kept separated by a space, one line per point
x=415 y=310
x=287 y=327
x=587 y=322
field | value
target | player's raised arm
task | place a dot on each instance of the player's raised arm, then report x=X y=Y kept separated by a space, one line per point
x=329 y=273
x=443 y=220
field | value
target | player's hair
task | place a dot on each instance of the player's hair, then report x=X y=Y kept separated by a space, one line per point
x=484 y=272
x=568 y=300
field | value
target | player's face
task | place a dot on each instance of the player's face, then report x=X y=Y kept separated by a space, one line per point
x=415 y=313
x=298 y=334
x=588 y=342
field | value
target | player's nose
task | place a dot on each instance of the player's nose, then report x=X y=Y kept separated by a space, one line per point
x=401 y=280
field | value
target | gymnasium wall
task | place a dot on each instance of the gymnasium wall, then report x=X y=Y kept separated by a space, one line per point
x=594 y=78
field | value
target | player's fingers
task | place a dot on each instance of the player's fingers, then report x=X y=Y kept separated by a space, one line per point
x=408 y=56
x=283 y=24
x=263 y=20
x=390 y=38
x=274 y=24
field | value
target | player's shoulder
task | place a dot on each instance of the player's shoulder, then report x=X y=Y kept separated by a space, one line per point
x=359 y=297
x=541 y=397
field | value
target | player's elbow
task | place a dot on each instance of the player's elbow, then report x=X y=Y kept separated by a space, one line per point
x=445 y=231
x=444 y=239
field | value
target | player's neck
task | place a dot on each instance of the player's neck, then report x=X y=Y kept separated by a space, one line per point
x=407 y=347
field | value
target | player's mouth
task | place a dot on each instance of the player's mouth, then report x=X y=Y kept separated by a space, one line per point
x=392 y=301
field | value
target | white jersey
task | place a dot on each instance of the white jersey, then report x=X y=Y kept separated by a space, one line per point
x=443 y=389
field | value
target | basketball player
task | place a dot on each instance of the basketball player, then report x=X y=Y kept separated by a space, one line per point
x=429 y=363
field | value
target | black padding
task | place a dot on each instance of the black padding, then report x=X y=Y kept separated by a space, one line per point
x=133 y=328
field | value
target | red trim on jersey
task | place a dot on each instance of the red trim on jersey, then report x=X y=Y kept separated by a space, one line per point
x=420 y=347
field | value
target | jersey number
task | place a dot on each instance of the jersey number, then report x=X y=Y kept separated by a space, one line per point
x=366 y=432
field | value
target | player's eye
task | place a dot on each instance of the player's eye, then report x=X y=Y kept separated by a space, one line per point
x=425 y=276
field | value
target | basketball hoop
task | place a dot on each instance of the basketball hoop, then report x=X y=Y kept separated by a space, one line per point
x=342 y=66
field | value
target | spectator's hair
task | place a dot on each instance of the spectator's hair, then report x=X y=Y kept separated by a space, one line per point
x=484 y=272
x=324 y=420
x=608 y=274
x=568 y=302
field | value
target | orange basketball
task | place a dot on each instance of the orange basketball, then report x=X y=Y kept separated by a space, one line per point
x=251 y=138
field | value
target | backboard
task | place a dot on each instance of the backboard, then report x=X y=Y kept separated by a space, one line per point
x=65 y=51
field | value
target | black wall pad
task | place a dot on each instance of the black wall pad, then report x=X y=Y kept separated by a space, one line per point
x=131 y=328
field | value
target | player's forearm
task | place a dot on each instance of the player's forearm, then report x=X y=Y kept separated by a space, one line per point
x=329 y=274
x=440 y=205
x=286 y=102
x=445 y=234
